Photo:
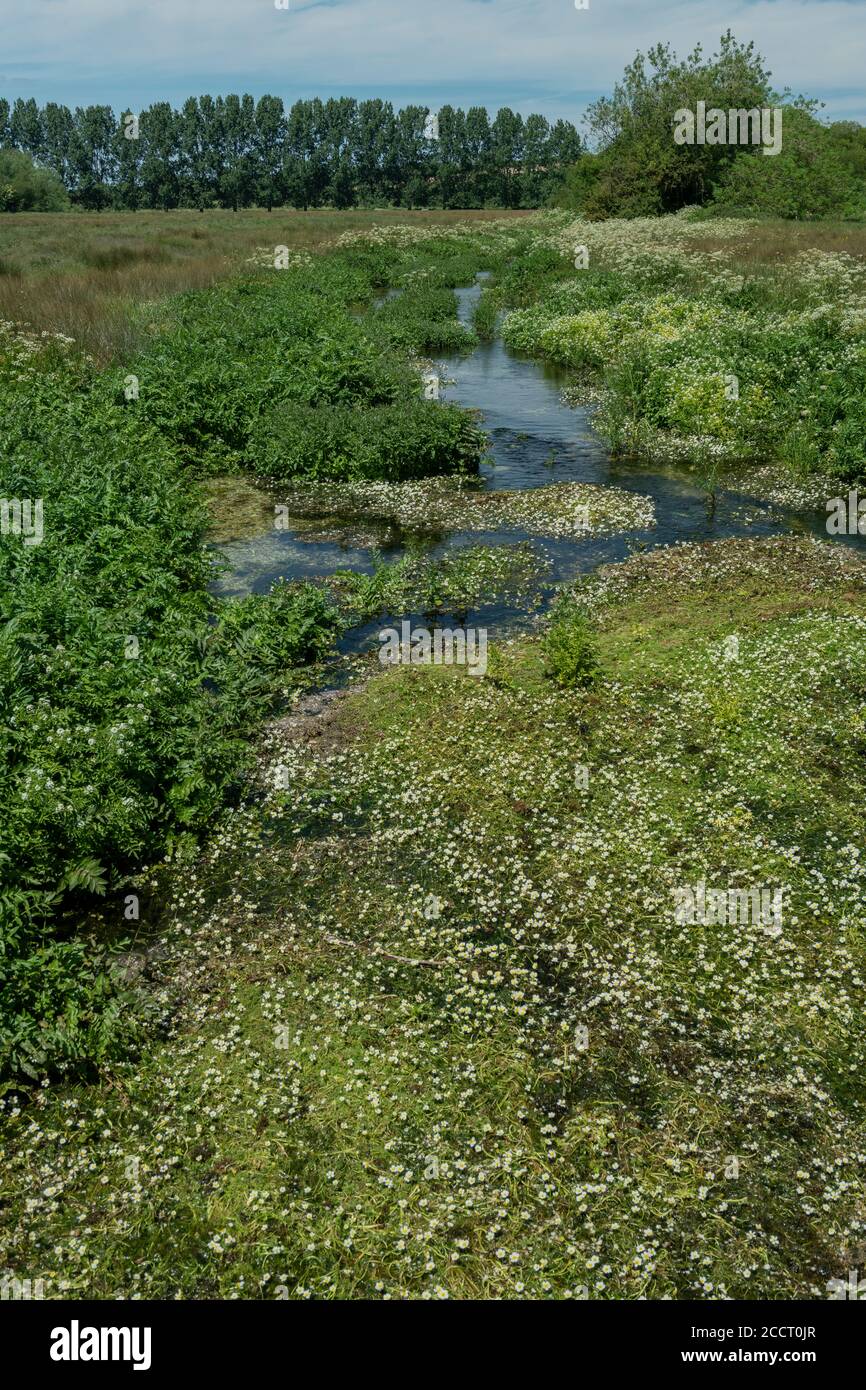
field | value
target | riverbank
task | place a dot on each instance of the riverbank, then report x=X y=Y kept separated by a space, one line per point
x=699 y=349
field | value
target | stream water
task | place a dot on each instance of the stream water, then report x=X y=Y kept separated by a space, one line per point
x=535 y=440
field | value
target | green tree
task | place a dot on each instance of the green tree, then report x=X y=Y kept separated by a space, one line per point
x=195 y=159
x=268 y=139
x=26 y=129
x=59 y=141
x=507 y=156
x=237 y=184
x=642 y=170
x=158 y=127
x=819 y=172
x=91 y=159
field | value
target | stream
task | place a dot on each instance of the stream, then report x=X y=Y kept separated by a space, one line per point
x=535 y=440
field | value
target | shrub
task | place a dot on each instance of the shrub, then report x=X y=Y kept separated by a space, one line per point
x=422 y=319
x=815 y=174
x=571 y=648
x=484 y=317
x=26 y=188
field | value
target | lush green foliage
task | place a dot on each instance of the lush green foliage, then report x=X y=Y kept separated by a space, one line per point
x=638 y=170
x=699 y=356
x=485 y=316
x=421 y=319
x=234 y=152
x=126 y=689
x=26 y=188
x=276 y=373
x=123 y=701
x=394 y=442
x=459 y=580
x=820 y=172
x=570 y=647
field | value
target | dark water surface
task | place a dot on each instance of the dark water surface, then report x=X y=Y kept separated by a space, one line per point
x=535 y=440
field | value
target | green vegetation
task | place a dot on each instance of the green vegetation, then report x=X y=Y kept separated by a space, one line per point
x=128 y=690
x=570 y=647
x=90 y=276
x=460 y=580
x=638 y=170
x=273 y=372
x=235 y=152
x=408 y=440
x=434 y=1028
x=484 y=317
x=124 y=703
x=705 y=357
x=25 y=188
x=384 y=994
x=819 y=172
x=421 y=318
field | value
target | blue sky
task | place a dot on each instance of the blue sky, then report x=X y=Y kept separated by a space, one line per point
x=542 y=55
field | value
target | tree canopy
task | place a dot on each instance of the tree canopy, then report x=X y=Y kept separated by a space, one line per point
x=236 y=152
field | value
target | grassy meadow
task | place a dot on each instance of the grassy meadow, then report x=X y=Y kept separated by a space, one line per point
x=86 y=274
x=381 y=994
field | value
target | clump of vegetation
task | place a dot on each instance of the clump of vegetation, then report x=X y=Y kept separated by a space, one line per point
x=26 y=188
x=484 y=316
x=299 y=385
x=456 y=503
x=820 y=171
x=459 y=580
x=571 y=647
x=414 y=439
x=126 y=688
x=421 y=319
x=639 y=170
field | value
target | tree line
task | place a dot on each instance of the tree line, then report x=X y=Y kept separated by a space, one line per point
x=236 y=152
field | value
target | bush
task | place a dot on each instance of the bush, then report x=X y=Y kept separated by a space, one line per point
x=26 y=188
x=422 y=319
x=816 y=174
x=484 y=317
